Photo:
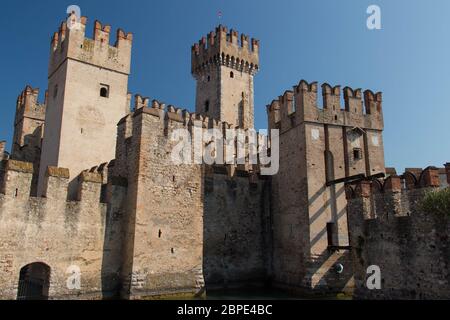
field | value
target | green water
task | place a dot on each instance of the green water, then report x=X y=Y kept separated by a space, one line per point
x=267 y=294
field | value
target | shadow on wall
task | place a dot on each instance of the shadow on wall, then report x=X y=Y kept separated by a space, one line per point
x=113 y=243
x=234 y=245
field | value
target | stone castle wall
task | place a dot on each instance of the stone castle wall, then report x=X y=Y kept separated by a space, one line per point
x=390 y=230
x=53 y=231
x=187 y=225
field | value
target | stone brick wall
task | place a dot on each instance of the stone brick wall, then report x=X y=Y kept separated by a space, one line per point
x=55 y=232
x=235 y=228
x=388 y=229
x=2 y=149
x=187 y=226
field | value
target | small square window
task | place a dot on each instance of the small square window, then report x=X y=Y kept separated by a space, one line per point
x=357 y=154
x=104 y=90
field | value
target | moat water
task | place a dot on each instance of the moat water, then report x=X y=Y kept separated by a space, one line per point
x=266 y=294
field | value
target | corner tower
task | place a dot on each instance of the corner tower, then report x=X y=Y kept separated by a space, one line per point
x=88 y=84
x=224 y=68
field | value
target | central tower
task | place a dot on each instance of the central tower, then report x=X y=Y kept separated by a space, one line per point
x=224 y=68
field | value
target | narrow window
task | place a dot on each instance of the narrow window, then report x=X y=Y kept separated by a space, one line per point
x=231 y=74
x=331 y=234
x=209 y=78
x=294 y=106
x=159 y=233
x=357 y=154
x=55 y=91
x=207 y=106
x=104 y=91
x=240 y=119
x=172 y=250
x=16 y=193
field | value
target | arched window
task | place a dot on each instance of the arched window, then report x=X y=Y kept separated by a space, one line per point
x=104 y=91
x=34 y=282
x=231 y=74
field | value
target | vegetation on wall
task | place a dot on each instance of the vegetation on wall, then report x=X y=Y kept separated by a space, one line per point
x=437 y=201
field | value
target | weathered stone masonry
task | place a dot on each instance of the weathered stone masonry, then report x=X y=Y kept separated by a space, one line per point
x=388 y=229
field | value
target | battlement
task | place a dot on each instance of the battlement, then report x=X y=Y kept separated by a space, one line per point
x=29 y=106
x=223 y=48
x=300 y=105
x=390 y=228
x=394 y=195
x=73 y=44
x=16 y=178
x=170 y=118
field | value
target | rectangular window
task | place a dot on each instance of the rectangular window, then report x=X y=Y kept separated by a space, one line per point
x=357 y=154
x=331 y=234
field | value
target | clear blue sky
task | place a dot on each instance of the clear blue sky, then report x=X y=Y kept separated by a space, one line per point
x=326 y=41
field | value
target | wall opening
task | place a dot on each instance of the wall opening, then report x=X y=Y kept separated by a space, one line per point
x=331 y=234
x=231 y=74
x=34 y=282
x=104 y=91
x=207 y=106
x=357 y=154
x=240 y=119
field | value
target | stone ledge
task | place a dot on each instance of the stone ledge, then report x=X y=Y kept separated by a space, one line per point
x=19 y=166
x=58 y=172
x=90 y=177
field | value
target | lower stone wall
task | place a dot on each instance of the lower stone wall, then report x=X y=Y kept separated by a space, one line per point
x=410 y=247
x=67 y=238
x=235 y=230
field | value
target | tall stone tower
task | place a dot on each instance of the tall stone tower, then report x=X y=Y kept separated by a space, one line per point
x=88 y=83
x=224 y=68
x=321 y=148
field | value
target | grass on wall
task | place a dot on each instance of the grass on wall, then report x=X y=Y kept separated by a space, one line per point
x=437 y=202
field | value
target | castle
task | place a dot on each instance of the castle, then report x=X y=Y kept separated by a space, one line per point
x=91 y=206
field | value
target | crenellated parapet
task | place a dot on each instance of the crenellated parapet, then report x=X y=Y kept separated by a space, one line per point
x=71 y=43
x=391 y=229
x=171 y=118
x=394 y=195
x=28 y=105
x=16 y=180
x=300 y=105
x=224 y=48
x=29 y=125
